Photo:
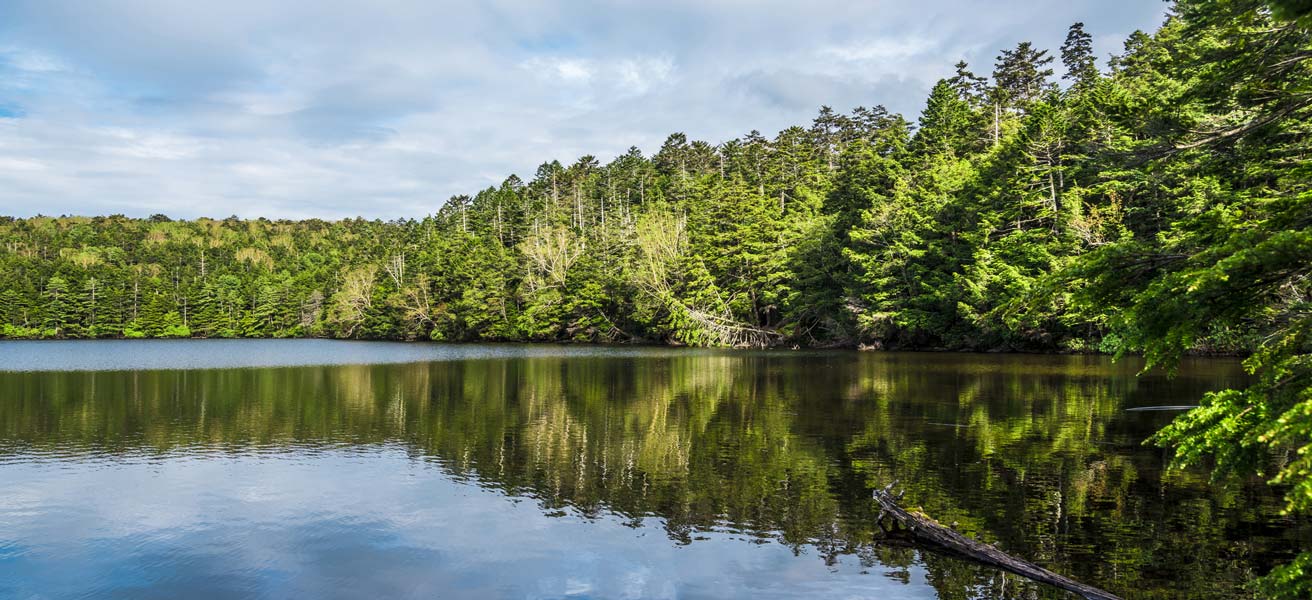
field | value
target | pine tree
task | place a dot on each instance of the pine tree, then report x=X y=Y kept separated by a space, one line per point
x=947 y=126
x=969 y=87
x=1077 y=56
x=1021 y=76
x=57 y=306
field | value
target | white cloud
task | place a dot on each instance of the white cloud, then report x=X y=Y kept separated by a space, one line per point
x=336 y=108
x=573 y=70
x=881 y=49
x=639 y=75
x=158 y=146
x=29 y=61
x=20 y=164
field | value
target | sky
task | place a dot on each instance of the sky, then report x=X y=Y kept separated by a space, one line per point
x=386 y=108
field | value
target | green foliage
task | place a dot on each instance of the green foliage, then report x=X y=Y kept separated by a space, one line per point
x=1289 y=582
x=1162 y=207
x=1224 y=262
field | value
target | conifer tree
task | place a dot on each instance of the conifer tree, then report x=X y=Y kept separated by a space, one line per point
x=1077 y=57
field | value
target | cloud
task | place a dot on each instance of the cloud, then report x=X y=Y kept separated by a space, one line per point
x=338 y=108
x=569 y=70
x=880 y=49
x=279 y=527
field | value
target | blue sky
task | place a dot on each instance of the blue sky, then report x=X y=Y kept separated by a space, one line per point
x=385 y=109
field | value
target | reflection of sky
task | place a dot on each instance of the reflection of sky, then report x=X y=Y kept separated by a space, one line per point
x=122 y=355
x=125 y=355
x=350 y=524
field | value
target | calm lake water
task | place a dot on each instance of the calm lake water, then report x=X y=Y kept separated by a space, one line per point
x=320 y=469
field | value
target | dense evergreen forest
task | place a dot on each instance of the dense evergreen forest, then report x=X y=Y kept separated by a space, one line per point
x=859 y=228
x=1158 y=203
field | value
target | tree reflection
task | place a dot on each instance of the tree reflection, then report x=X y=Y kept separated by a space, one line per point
x=1033 y=453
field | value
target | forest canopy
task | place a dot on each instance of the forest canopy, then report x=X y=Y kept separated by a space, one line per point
x=1156 y=203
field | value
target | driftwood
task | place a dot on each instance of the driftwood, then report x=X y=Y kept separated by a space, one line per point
x=923 y=532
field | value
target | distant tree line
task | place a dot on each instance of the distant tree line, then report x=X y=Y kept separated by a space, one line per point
x=1160 y=204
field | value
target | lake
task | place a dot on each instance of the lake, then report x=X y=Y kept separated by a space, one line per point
x=324 y=469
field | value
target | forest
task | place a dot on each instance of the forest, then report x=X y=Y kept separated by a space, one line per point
x=1156 y=203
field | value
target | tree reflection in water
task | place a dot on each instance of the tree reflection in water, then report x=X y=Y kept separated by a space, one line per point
x=1035 y=453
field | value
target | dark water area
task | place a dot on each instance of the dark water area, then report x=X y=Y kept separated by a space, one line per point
x=304 y=468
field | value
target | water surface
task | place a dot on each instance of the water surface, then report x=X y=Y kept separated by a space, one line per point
x=306 y=468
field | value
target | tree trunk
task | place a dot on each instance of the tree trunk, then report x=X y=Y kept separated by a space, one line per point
x=920 y=530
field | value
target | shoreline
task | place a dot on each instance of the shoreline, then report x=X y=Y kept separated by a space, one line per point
x=857 y=347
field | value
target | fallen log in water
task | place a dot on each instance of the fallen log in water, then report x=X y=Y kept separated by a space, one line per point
x=922 y=531
x=1156 y=408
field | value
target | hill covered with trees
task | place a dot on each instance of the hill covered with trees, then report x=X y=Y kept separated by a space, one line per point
x=1158 y=203
x=859 y=228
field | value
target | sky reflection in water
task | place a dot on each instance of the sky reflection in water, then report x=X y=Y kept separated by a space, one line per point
x=501 y=471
